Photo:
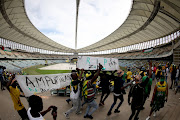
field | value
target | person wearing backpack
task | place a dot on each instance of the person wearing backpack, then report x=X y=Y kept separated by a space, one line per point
x=90 y=94
x=137 y=93
x=160 y=95
x=158 y=72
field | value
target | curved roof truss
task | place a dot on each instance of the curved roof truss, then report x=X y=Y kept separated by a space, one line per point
x=148 y=20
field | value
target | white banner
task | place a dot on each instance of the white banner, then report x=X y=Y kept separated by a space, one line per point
x=91 y=63
x=32 y=84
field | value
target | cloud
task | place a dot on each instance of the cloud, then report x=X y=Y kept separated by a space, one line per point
x=97 y=19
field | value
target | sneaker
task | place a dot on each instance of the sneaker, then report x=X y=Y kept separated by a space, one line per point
x=79 y=112
x=136 y=118
x=67 y=101
x=176 y=90
x=109 y=113
x=85 y=116
x=154 y=114
x=148 y=118
x=116 y=111
x=66 y=115
x=90 y=116
x=100 y=104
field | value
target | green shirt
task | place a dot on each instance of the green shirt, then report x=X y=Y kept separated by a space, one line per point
x=147 y=85
x=124 y=76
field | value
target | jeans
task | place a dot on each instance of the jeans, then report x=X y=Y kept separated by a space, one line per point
x=176 y=81
x=166 y=79
x=92 y=104
x=76 y=106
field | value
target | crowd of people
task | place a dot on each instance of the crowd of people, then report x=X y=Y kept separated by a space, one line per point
x=84 y=87
x=140 y=88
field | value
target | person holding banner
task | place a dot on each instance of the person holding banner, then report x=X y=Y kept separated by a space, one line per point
x=15 y=95
x=75 y=94
x=91 y=94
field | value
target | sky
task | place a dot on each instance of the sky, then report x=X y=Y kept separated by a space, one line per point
x=97 y=19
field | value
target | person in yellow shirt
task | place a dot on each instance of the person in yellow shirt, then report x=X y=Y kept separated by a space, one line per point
x=129 y=75
x=15 y=95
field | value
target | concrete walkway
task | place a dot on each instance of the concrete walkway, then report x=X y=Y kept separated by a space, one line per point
x=171 y=110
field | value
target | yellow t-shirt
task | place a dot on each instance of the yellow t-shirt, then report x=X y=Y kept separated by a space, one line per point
x=15 y=93
x=129 y=75
x=161 y=87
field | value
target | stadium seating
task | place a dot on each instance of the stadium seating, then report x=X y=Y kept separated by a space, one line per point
x=17 y=65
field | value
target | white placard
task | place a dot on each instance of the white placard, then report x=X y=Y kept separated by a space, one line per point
x=91 y=63
x=32 y=84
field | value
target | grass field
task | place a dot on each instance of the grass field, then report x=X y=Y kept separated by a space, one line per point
x=35 y=71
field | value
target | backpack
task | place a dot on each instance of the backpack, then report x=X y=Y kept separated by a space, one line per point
x=137 y=94
x=158 y=74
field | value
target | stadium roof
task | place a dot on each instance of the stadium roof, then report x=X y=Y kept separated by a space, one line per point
x=148 y=20
x=16 y=26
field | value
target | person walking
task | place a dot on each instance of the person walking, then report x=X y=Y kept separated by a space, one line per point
x=137 y=93
x=159 y=97
x=147 y=89
x=1 y=78
x=75 y=94
x=118 y=94
x=173 y=76
x=129 y=75
x=91 y=103
x=154 y=71
x=104 y=78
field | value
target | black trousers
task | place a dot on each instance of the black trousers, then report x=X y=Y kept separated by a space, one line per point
x=107 y=92
x=135 y=110
x=23 y=114
x=121 y=98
